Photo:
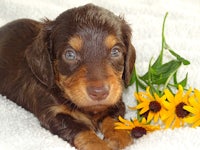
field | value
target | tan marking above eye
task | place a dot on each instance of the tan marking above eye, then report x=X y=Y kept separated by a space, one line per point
x=76 y=42
x=110 y=41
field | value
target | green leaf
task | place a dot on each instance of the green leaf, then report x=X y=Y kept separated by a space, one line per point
x=158 y=61
x=169 y=78
x=175 y=78
x=167 y=67
x=133 y=78
x=183 y=60
x=164 y=76
x=161 y=74
x=184 y=81
x=138 y=82
x=141 y=85
x=156 y=64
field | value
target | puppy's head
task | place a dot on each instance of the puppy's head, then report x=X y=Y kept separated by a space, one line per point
x=88 y=52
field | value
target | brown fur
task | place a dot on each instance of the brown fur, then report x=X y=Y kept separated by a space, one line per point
x=70 y=73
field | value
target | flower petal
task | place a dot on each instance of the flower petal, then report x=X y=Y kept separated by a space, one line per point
x=191 y=119
x=143 y=104
x=177 y=123
x=193 y=101
x=160 y=99
x=150 y=116
x=156 y=117
x=197 y=93
x=137 y=97
x=167 y=115
x=191 y=109
x=179 y=95
x=132 y=108
x=163 y=114
x=187 y=94
x=169 y=121
x=169 y=95
x=124 y=127
x=143 y=110
x=196 y=124
x=144 y=121
x=149 y=94
x=168 y=105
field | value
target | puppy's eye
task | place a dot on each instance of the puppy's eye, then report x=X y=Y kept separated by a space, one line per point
x=115 y=52
x=70 y=55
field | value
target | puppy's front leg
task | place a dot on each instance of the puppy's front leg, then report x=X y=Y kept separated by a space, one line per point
x=75 y=132
x=116 y=139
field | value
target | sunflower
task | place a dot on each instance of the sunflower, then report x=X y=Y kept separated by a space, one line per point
x=194 y=109
x=136 y=128
x=150 y=106
x=174 y=104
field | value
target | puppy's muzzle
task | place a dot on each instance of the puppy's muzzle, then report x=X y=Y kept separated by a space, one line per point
x=98 y=93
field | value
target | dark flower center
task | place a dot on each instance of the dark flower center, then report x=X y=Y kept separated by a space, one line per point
x=180 y=112
x=138 y=132
x=154 y=106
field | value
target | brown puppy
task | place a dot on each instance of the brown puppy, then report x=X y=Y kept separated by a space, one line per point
x=70 y=73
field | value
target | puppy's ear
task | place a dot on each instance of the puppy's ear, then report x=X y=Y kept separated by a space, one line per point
x=38 y=57
x=130 y=54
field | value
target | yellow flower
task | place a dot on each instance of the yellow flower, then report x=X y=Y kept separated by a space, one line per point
x=150 y=105
x=174 y=105
x=194 y=109
x=124 y=124
x=137 y=128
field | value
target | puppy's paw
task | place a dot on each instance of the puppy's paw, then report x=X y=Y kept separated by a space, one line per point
x=118 y=139
x=89 y=141
x=95 y=146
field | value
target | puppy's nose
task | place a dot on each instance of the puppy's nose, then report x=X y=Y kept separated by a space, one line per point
x=98 y=93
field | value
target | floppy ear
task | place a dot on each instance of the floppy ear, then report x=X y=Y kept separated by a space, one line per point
x=39 y=59
x=130 y=54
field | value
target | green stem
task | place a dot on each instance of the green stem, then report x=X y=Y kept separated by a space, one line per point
x=163 y=33
x=149 y=81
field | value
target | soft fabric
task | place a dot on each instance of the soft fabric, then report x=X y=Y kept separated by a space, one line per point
x=20 y=130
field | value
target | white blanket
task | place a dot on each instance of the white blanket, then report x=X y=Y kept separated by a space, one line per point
x=20 y=130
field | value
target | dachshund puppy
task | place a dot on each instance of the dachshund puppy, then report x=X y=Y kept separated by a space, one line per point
x=70 y=73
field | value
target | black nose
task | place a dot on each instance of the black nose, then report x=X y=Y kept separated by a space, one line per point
x=98 y=93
